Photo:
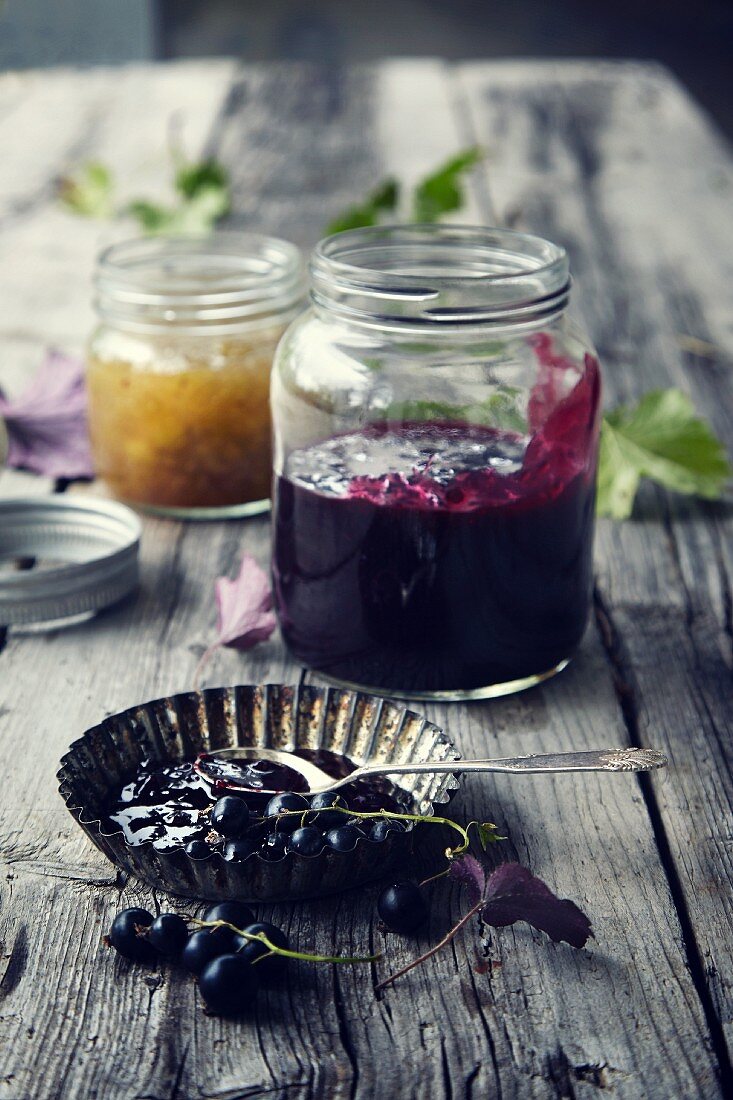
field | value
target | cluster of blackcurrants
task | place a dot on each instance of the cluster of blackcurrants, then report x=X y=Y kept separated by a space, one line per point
x=228 y=962
x=230 y=967
x=291 y=823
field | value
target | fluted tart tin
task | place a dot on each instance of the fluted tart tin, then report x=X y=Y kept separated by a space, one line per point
x=359 y=727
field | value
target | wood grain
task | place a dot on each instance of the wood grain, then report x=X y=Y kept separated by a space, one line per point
x=630 y=175
x=513 y=1015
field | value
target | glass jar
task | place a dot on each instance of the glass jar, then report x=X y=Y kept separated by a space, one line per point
x=178 y=370
x=436 y=422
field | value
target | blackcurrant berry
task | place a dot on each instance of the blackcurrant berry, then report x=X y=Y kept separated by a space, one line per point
x=230 y=816
x=329 y=818
x=237 y=850
x=254 y=949
x=380 y=829
x=168 y=934
x=307 y=841
x=234 y=912
x=342 y=839
x=228 y=985
x=402 y=907
x=208 y=944
x=197 y=849
x=274 y=846
x=286 y=801
x=325 y=799
x=128 y=935
x=274 y=934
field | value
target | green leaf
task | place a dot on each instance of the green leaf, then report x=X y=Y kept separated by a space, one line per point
x=442 y=192
x=438 y=194
x=201 y=213
x=488 y=834
x=424 y=410
x=152 y=217
x=373 y=362
x=384 y=198
x=89 y=191
x=356 y=217
x=660 y=438
x=485 y=348
x=194 y=217
x=499 y=410
x=192 y=179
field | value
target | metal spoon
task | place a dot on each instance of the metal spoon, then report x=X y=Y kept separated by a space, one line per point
x=598 y=760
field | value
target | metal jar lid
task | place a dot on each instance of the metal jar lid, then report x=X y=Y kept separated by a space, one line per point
x=87 y=553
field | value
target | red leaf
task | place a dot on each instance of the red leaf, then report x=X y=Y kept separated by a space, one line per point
x=468 y=871
x=245 y=607
x=245 y=615
x=513 y=893
x=47 y=424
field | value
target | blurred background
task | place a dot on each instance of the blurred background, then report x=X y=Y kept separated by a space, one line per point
x=694 y=39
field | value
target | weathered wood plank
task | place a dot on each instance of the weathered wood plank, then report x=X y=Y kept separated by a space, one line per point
x=546 y=1013
x=55 y=121
x=143 y=648
x=305 y=142
x=628 y=173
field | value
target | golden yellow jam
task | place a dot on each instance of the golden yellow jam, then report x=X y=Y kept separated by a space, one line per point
x=182 y=423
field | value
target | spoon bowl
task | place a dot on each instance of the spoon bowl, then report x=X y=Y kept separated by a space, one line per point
x=222 y=771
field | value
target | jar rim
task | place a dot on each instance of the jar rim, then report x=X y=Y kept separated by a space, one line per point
x=439 y=275
x=227 y=278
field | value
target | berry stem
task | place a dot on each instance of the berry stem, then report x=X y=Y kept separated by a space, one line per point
x=203 y=661
x=433 y=950
x=434 y=878
x=394 y=816
x=285 y=952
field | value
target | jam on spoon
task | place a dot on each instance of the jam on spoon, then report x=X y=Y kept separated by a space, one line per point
x=255 y=776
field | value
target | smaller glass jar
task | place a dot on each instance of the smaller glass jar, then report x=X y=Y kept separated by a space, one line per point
x=178 y=370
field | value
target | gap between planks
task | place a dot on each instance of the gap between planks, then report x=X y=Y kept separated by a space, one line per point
x=626 y=693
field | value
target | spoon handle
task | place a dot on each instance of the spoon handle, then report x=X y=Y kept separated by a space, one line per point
x=599 y=760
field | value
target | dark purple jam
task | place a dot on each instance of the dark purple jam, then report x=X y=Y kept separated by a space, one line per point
x=256 y=777
x=170 y=805
x=167 y=805
x=442 y=556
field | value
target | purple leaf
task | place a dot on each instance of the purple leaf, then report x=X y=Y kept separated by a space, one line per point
x=468 y=871
x=245 y=607
x=513 y=893
x=47 y=424
x=245 y=615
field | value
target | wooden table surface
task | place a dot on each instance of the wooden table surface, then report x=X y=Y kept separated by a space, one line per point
x=615 y=162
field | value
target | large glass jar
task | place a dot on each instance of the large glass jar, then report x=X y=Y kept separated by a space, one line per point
x=179 y=369
x=436 y=423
